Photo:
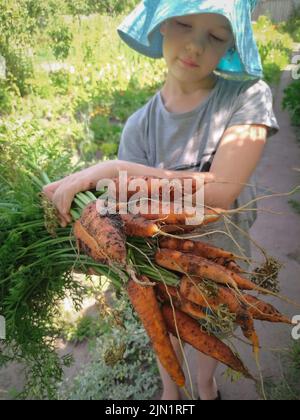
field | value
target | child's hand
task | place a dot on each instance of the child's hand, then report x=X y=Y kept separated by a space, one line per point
x=62 y=193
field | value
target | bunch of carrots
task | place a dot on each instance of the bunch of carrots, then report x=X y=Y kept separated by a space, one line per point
x=210 y=281
x=204 y=287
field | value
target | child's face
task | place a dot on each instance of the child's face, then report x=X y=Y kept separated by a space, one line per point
x=202 y=39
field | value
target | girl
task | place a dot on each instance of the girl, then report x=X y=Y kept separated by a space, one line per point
x=213 y=115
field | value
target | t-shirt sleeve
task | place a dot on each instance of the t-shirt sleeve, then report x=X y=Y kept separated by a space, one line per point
x=255 y=106
x=132 y=144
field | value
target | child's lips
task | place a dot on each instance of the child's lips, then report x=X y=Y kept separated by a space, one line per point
x=189 y=63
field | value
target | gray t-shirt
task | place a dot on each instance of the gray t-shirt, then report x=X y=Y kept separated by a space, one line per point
x=155 y=137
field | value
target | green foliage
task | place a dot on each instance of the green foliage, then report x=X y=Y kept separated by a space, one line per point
x=25 y=142
x=106 y=135
x=84 y=328
x=102 y=84
x=31 y=287
x=5 y=98
x=275 y=48
x=110 y=7
x=291 y=101
x=19 y=68
x=42 y=12
x=124 y=365
x=287 y=387
x=292 y=26
x=62 y=38
x=18 y=26
x=295 y=205
x=60 y=79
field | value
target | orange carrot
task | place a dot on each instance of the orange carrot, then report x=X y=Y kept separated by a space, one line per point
x=264 y=311
x=224 y=296
x=165 y=293
x=190 y=332
x=190 y=264
x=179 y=216
x=231 y=265
x=197 y=266
x=87 y=244
x=101 y=237
x=145 y=304
x=201 y=249
x=193 y=247
x=136 y=225
x=191 y=309
x=212 y=216
x=190 y=293
x=245 y=320
x=176 y=228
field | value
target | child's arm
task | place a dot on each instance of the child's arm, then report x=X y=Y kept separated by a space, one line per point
x=236 y=159
x=62 y=192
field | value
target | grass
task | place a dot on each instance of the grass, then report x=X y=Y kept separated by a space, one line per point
x=92 y=93
x=295 y=205
x=287 y=387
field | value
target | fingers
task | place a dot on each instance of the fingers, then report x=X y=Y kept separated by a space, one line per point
x=209 y=177
x=65 y=220
x=62 y=200
x=62 y=221
x=50 y=189
x=60 y=193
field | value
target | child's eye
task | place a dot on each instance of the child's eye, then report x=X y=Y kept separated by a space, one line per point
x=216 y=38
x=184 y=25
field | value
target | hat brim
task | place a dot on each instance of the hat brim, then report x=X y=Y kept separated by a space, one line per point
x=141 y=30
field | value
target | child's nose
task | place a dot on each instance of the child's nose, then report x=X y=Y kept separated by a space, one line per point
x=196 y=45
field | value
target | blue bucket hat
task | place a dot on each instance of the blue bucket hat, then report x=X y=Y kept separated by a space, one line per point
x=141 y=30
